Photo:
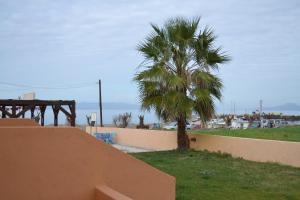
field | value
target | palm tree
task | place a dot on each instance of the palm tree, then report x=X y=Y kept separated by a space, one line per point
x=177 y=78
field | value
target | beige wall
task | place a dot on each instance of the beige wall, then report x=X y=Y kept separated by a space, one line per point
x=143 y=138
x=250 y=149
x=66 y=163
x=17 y=122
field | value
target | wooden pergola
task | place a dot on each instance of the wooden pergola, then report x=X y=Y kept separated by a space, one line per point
x=11 y=108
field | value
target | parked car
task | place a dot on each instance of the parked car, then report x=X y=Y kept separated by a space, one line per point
x=173 y=125
x=188 y=126
x=255 y=124
x=265 y=123
x=239 y=123
x=156 y=126
x=216 y=123
x=276 y=123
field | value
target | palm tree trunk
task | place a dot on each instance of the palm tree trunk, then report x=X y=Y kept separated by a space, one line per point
x=182 y=138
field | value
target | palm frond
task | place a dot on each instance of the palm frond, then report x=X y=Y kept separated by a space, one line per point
x=177 y=78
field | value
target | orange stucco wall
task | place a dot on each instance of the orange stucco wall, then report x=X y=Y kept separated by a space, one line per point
x=66 y=163
x=143 y=138
x=106 y=193
x=250 y=149
x=17 y=122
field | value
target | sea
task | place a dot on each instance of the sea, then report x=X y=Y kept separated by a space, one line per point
x=109 y=114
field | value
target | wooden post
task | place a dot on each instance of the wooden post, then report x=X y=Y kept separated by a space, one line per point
x=73 y=113
x=3 y=113
x=27 y=105
x=32 y=112
x=23 y=115
x=14 y=111
x=43 y=109
x=100 y=103
x=55 y=112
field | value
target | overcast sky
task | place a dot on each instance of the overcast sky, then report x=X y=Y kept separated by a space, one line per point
x=49 y=43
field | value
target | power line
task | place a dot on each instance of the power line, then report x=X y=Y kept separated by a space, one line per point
x=63 y=87
x=9 y=90
x=45 y=87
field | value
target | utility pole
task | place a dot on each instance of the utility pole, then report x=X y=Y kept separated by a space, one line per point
x=234 y=108
x=100 y=103
x=260 y=107
x=260 y=114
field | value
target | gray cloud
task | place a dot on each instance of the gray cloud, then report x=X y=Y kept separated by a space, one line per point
x=98 y=39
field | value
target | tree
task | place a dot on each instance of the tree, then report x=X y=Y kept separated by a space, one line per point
x=141 y=124
x=122 y=120
x=177 y=76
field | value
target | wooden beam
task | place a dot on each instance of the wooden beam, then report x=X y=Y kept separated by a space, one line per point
x=55 y=112
x=23 y=114
x=14 y=111
x=73 y=114
x=5 y=112
x=32 y=112
x=57 y=105
x=23 y=111
x=65 y=111
x=10 y=102
x=43 y=109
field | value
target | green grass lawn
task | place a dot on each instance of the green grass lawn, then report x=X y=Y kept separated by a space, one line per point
x=289 y=133
x=203 y=175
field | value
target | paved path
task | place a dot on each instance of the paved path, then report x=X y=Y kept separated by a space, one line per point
x=128 y=149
